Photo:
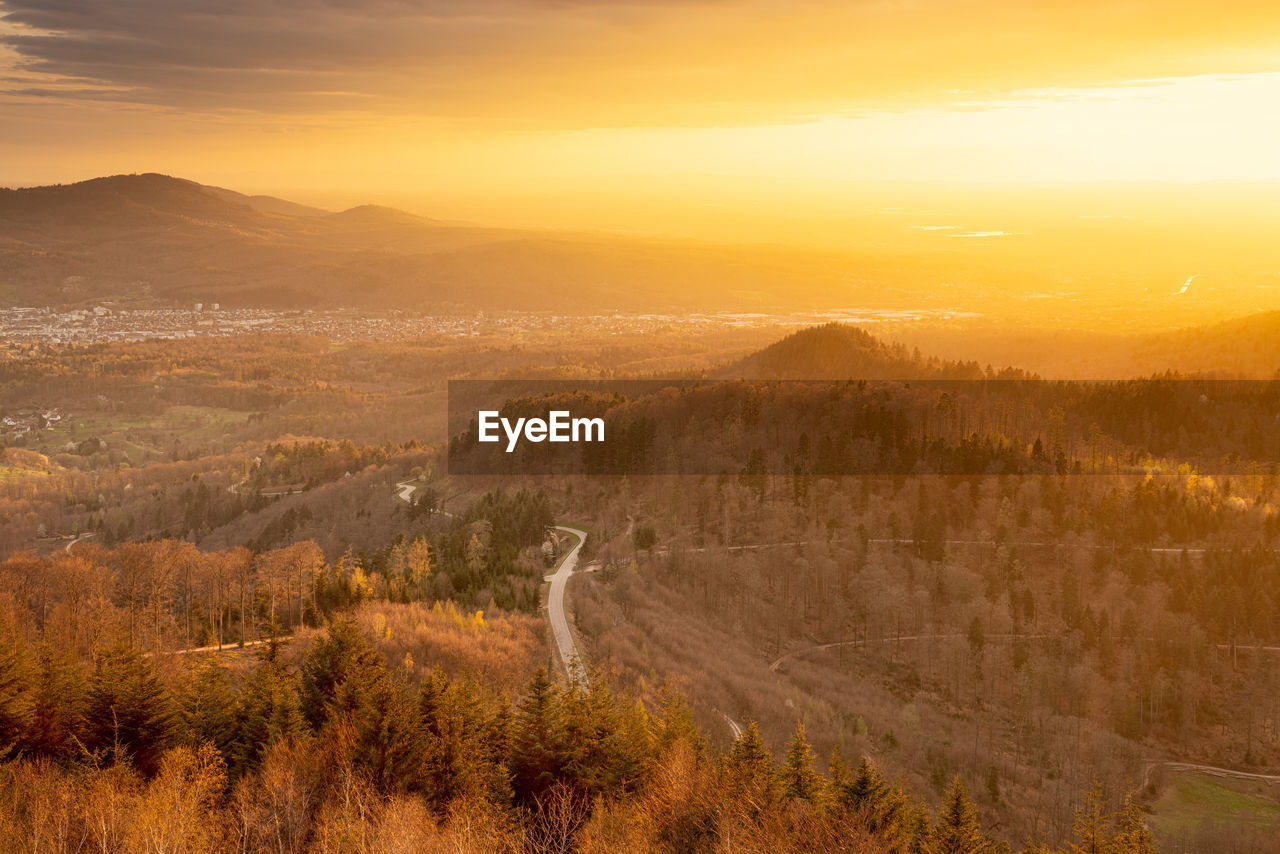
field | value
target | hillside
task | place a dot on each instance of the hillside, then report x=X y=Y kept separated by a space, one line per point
x=841 y=351
x=1241 y=348
x=157 y=240
x=1247 y=347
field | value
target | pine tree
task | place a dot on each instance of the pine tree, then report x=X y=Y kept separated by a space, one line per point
x=129 y=712
x=838 y=774
x=1132 y=835
x=537 y=739
x=496 y=743
x=57 y=721
x=1091 y=824
x=207 y=709
x=16 y=698
x=958 y=830
x=382 y=725
x=674 y=722
x=749 y=759
x=749 y=771
x=456 y=762
x=797 y=778
x=268 y=712
x=867 y=789
x=334 y=659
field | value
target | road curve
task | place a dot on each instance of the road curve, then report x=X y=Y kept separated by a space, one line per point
x=79 y=539
x=565 y=646
x=735 y=728
x=405 y=490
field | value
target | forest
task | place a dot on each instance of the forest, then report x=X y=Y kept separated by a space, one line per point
x=250 y=569
x=338 y=749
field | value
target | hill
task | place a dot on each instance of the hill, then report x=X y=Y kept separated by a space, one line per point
x=1246 y=347
x=157 y=240
x=841 y=351
x=1241 y=348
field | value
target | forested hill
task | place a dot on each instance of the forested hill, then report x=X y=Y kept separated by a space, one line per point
x=1247 y=347
x=841 y=351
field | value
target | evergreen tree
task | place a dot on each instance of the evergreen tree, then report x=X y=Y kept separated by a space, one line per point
x=58 y=707
x=16 y=698
x=268 y=712
x=1132 y=835
x=867 y=789
x=380 y=726
x=606 y=746
x=674 y=722
x=340 y=654
x=749 y=769
x=1091 y=824
x=797 y=777
x=537 y=739
x=129 y=712
x=496 y=746
x=838 y=774
x=456 y=761
x=207 y=709
x=958 y=830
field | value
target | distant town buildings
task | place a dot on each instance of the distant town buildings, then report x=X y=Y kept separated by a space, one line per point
x=105 y=323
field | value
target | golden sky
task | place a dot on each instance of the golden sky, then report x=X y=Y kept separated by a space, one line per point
x=487 y=96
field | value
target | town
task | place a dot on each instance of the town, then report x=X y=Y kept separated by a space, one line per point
x=106 y=322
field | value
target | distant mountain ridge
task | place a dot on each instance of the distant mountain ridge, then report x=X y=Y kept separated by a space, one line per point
x=153 y=239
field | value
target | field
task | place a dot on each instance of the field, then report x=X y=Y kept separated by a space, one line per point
x=1192 y=807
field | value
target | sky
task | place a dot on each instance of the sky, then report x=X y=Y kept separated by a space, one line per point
x=525 y=98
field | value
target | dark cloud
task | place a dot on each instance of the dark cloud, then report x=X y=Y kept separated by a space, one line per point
x=227 y=51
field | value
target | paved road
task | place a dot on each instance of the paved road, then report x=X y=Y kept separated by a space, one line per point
x=234 y=489
x=406 y=489
x=565 y=646
x=735 y=728
x=1172 y=550
x=78 y=539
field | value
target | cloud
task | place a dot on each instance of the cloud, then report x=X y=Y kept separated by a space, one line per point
x=602 y=63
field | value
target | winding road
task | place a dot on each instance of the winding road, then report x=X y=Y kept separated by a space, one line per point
x=79 y=539
x=405 y=490
x=568 y=651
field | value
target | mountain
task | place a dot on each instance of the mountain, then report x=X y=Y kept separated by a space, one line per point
x=112 y=204
x=841 y=351
x=157 y=240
